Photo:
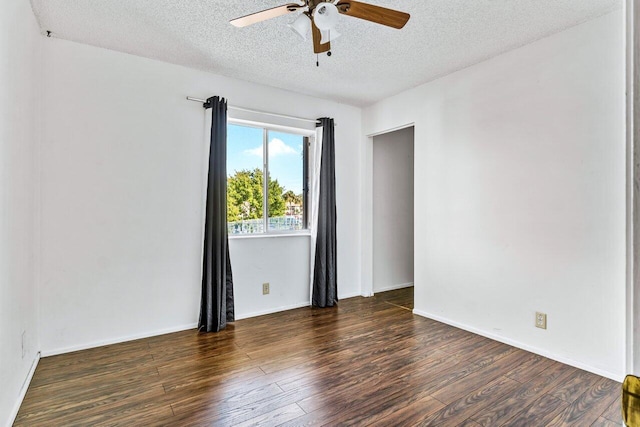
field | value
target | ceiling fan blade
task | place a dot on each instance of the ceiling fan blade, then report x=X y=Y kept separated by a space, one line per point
x=274 y=12
x=369 y=12
x=318 y=46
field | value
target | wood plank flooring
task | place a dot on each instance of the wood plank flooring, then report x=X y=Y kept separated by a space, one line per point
x=368 y=361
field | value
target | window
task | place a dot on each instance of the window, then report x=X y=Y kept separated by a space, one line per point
x=281 y=180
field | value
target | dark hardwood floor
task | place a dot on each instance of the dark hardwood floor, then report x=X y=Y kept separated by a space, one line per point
x=368 y=361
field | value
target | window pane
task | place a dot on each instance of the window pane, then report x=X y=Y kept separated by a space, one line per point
x=285 y=181
x=244 y=180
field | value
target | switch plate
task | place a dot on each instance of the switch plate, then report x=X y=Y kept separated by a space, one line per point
x=265 y=288
x=541 y=320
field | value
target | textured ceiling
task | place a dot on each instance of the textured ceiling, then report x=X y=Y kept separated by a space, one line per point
x=369 y=62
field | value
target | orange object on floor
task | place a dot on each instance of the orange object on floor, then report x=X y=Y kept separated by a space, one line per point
x=631 y=401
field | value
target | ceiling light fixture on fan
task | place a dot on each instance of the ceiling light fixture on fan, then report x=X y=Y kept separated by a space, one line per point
x=301 y=26
x=325 y=17
x=322 y=15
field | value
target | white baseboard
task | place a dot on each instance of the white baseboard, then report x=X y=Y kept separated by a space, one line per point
x=100 y=343
x=393 y=287
x=289 y=307
x=536 y=350
x=350 y=295
x=272 y=310
x=23 y=390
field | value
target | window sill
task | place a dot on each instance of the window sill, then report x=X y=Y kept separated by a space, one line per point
x=305 y=233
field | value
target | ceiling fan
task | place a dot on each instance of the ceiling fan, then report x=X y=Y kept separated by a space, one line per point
x=323 y=15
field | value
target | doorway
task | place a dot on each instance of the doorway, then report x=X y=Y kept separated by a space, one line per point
x=393 y=216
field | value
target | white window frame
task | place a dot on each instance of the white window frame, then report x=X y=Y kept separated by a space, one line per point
x=266 y=127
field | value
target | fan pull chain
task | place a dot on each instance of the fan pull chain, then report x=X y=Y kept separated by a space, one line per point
x=317 y=60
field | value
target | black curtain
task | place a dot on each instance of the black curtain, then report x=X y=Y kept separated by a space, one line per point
x=216 y=305
x=325 y=276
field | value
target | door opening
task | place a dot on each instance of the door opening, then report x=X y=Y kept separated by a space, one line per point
x=393 y=215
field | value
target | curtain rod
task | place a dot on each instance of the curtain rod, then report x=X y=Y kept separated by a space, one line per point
x=284 y=116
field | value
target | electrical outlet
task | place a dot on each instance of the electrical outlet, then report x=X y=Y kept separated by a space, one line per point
x=541 y=320
x=265 y=288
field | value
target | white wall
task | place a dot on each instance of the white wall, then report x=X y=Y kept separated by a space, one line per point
x=632 y=11
x=284 y=270
x=20 y=44
x=520 y=190
x=123 y=171
x=393 y=210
